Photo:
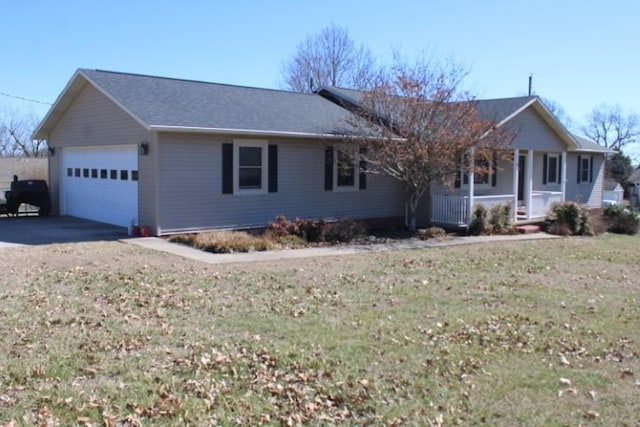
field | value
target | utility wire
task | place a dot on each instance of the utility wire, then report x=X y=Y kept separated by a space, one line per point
x=8 y=95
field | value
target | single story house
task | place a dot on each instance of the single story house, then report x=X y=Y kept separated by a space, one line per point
x=181 y=156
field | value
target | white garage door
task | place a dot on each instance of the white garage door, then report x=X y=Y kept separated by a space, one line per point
x=100 y=183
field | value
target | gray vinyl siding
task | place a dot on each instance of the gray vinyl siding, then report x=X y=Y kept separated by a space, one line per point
x=588 y=193
x=504 y=184
x=54 y=182
x=538 y=174
x=533 y=133
x=93 y=120
x=147 y=192
x=191 y=188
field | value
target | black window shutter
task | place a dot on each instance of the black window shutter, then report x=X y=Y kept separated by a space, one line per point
x=560 y=168
x=545 y=160
x=591 y=169
x=363 y=169
x=328 y=169
x=579 y=167
x=227 y=168
x=457 y=182
x=464 y=166
x=494 y=171
x=273 y=168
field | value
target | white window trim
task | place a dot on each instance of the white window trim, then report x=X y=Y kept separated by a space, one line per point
x=356 y=170
x=557 y=157
x=476 y=184
x=264 y=145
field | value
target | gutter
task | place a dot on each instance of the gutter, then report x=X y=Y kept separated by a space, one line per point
x=242 y=132
x=253 y=132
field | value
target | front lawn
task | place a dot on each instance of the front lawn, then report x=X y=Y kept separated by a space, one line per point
x=523 y=333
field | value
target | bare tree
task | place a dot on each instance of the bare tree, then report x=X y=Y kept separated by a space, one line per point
x=328 y=58
x=16 y=135
x=556 y=109
x=613 y=128
x=426 y=127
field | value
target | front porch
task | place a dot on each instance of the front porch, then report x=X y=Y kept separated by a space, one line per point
x=457 y=210
x=533 y=185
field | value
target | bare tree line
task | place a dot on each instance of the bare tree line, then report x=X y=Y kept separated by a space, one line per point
x=16 y=139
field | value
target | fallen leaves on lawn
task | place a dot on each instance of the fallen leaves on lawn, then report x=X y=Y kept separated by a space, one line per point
x=565 y=381
x=292 y=392
x=592 y=415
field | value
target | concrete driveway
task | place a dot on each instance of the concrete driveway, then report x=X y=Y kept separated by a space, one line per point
x=34 y=230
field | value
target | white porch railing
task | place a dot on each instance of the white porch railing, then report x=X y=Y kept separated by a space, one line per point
x=454 y=210
x=492 y=200
x=449 y=210
x=541 y=202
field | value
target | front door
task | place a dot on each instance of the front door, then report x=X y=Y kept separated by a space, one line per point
x=522 y=162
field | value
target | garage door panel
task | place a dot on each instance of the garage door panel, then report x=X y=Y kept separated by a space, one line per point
x=95 y=194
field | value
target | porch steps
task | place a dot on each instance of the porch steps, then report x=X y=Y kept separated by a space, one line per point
x=528 y=229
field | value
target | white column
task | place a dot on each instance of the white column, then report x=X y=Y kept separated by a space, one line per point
x=528 y=181
x=563 y=172
x=472 y=160
x=516 y=167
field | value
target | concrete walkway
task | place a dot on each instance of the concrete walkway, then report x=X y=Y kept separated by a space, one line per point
x=163 y=245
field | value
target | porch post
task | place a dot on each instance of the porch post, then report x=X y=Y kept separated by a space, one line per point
x=516 y=169
x=563 y=172
x=529 y=183
x=472 y=160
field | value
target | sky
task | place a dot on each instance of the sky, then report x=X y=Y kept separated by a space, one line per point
x=580 y=54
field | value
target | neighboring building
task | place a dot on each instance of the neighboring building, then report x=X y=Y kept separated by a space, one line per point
x=612 y=192
x=634 y=181
x=179 y=156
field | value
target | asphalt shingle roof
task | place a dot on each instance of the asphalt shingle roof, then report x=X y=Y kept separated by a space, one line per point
x=488 y=109
x=609 y=184
x=160 y=101
x=587 y=144
x=501 y=108
x=635 y=176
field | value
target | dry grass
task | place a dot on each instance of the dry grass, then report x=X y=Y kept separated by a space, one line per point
x=527 y=333
x=224 y=241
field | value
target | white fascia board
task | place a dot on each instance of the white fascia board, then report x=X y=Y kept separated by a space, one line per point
x=112 y=99
x=587 y=150
x=509 y=117
x=54 y=107
x=548 y=118
x=515 y=113
x=555 y=123
x=66 y=92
